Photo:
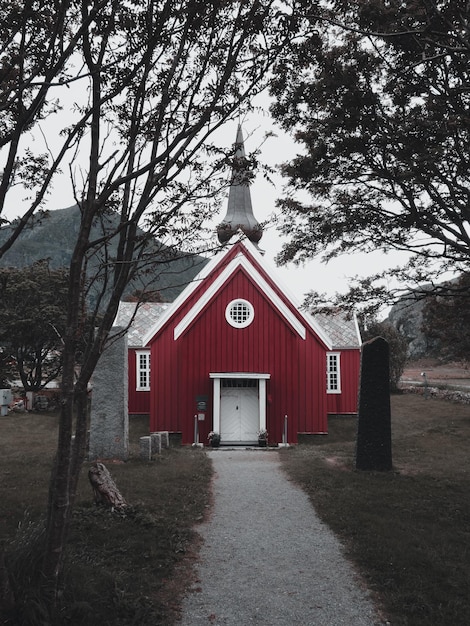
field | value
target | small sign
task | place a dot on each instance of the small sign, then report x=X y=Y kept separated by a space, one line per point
x=201 y=403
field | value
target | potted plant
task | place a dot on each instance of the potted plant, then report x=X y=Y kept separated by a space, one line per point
x=214 y=439
x=263 y=437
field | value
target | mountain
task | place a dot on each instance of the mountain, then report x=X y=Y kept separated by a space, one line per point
x=407 y=317
x=53 y=234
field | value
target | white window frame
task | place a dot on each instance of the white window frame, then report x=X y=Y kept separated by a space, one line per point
x=333 y=372
x=142 y=374
x=248 y=307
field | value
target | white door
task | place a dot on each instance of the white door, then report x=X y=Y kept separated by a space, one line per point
x=239 y=414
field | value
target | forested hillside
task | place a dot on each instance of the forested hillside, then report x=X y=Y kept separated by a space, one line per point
x=53 y=235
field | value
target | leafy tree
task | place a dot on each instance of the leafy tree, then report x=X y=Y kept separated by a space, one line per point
x=447 y=320
x=143 y=296
x=377 y=95
x=7 y=372
x=37 y=42
x=33 y=301
x=129 y=95
x=397 y=345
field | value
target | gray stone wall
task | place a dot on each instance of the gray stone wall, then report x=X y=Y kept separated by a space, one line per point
x=109 y=425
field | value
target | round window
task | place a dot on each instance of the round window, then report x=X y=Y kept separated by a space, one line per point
x=239 y=313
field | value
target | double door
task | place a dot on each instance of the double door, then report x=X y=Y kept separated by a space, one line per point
x=239 y=411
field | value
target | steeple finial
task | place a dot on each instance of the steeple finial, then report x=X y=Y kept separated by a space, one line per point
x=239 y=211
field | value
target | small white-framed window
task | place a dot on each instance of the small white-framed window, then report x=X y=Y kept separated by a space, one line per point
x=142 y=361
x=333 y=372
x=239 y=313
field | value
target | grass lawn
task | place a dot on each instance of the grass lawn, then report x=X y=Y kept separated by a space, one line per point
x=121 y=569
x=408 y=530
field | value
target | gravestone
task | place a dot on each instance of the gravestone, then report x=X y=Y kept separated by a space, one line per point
x=109 y=424
x=165 y=438
x=145 y=448
x=156 y=443
x=374 y=432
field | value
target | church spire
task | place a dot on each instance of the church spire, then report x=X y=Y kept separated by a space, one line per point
x=239 y=211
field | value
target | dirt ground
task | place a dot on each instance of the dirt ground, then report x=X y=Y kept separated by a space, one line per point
x=455 y=374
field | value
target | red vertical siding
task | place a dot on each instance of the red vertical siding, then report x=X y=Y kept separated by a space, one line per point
x=181 y=368
x=139 y=401
x=346 y=401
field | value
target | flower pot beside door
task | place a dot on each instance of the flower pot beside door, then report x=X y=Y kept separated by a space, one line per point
x=214 y=439
x=263 y=438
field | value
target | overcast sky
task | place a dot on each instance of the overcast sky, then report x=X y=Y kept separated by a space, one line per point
x=298 y=281
x=330 y=278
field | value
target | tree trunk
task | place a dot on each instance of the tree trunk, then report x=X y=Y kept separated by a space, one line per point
x=60 y=506
x=63 y=485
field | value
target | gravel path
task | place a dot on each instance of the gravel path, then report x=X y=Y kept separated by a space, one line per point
x=266 y=557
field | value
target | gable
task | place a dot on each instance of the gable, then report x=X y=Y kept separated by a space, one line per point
x=216 y=274
x=240 y=262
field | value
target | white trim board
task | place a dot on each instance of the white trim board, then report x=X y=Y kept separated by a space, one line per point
x=218 y=376
x=240 y=261
x=251 y=375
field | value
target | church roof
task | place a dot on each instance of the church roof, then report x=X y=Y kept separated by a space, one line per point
x=341 y=328
x=238 y=228
x=146 y=316
x=338 y=330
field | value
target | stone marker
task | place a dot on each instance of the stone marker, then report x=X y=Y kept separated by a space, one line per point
x=374 y=432
x=156 y=443
x=165 y=438
x=109 y=423
x=145 y=444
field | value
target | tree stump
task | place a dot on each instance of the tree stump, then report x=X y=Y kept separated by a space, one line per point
x=374 y=432
x=104 y=487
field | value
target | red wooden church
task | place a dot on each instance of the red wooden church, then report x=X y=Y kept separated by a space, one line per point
x=234 y=354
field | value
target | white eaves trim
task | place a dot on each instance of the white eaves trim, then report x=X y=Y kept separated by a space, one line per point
x=186 y=293
x=358 y=330
x=240 y=260
x=271 y=271
x=233 y=266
